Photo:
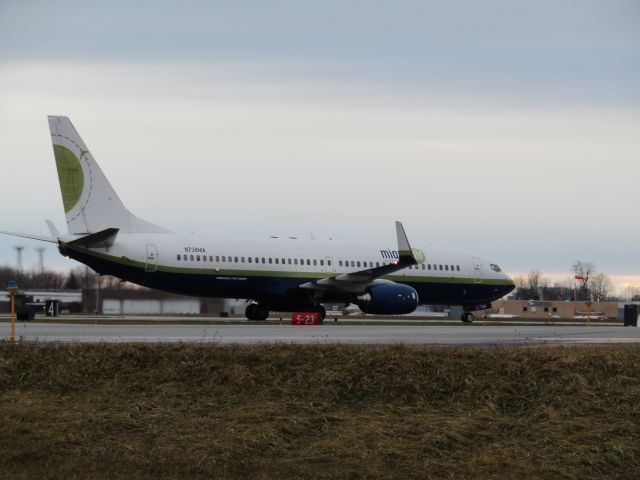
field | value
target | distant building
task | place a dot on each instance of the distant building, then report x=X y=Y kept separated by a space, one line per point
x=553 y=309
x=148 y=302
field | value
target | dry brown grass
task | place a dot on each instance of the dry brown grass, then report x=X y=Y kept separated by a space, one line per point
x=186 y=411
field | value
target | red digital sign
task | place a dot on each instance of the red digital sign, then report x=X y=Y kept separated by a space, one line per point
x=304 y=318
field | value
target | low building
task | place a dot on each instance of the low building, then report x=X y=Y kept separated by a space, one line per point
x=554 y=309
x=142 y=301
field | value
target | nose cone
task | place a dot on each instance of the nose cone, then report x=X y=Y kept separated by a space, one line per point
x=510 y=284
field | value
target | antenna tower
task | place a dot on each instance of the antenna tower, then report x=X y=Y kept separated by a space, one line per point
x=19 y=250
x=40 y=251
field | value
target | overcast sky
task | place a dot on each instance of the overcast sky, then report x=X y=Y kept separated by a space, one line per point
x=506 y=129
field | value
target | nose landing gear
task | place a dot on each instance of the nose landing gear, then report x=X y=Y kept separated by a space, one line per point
x=467 y=317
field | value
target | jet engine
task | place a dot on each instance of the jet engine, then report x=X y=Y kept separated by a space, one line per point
x=388 y=299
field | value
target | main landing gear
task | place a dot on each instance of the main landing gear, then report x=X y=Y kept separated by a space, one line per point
x=322 y=313
x=468 y=317
x=256 y=311
x=260 y=312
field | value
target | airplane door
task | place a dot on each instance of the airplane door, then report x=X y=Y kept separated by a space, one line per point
x=152 y=259
x=329 y=267
x=477 y=270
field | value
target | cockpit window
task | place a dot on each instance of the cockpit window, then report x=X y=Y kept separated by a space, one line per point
x=495 y=267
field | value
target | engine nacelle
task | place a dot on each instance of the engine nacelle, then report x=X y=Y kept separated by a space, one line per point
x=388 y=299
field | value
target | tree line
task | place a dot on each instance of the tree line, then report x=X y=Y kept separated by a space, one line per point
x=597 y=288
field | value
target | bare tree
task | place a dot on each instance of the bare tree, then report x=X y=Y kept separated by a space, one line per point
x=533 y=280
x=600 y=286
x=582 y=272
x=532 y=286
x=631 y=293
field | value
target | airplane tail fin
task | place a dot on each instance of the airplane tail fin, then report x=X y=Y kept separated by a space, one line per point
x=90 y=202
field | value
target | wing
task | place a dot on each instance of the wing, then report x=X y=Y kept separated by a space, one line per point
x=356 y=282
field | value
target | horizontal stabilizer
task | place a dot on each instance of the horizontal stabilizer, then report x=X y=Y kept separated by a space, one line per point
x=103 y=238
x=32 y=237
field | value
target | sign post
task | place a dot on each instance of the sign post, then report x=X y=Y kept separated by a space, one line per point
x=589 y=305
x=13 y=287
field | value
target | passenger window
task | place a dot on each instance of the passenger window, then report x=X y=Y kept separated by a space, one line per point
x=270 y=260
x=315 y=262
x=353 y=264
x=322 y=263
x=277 y=260
x=329 y=262
x=178 y=256
x=198 y=258
x=283 y=262
x=242 y=259
x=288 y=261
x=440 y=267
x=377 y=264
x=295 y=261
x=446 y=267
x=249 y=258
x=339 y=263
x=192 y=258
x=308 y=262
x=458 y=267
x=217 y=258
x=235 y=259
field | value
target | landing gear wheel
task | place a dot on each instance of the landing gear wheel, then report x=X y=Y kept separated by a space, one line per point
x=250 y=311
x=468 y=317
x=256 y=311
x=262 y=312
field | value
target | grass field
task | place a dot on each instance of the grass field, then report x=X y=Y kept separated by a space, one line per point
x=184 y=411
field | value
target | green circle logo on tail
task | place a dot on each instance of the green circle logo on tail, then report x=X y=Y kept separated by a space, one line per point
x=70 y=175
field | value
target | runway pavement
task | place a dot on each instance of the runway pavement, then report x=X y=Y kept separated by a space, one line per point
x=325 y=334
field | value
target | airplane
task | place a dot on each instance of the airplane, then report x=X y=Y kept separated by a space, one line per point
x=273 y=274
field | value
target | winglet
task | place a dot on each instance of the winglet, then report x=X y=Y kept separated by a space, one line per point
x=404 y=249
